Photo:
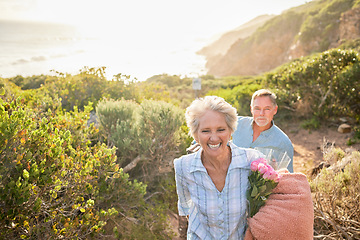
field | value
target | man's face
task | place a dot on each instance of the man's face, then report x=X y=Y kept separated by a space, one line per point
x=263 y=111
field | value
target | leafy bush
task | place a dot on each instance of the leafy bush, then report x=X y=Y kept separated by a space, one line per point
x=333 y=155
x=56 y=186
x=356 y=137
x=170 y=81
x=90 y=85
x=118 y=123
x=8 y=90
x=33 y=82
x=319 y=82
x=336 y=199
x=323 y=23
x=310 y=124
x=239 y=96
x=146 y=135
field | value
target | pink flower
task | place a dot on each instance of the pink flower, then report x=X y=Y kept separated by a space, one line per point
x=254 y=165
x=262 y=174
x=267 y=175
x=262 y=168
x=262 y=160
x=271 y=174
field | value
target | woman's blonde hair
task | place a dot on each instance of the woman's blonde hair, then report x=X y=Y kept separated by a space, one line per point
x=201 y=105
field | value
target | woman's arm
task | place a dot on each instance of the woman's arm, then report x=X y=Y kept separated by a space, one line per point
x=184 y=198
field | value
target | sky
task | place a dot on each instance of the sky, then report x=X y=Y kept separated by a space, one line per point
x=154 y=17
x=141 y=37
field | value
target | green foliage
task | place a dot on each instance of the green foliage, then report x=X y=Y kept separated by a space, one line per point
x=333 y=155
x=336 y=199
x=54 y=185
x=351 y=44
x=8 y=89
x=90 y=85
x=356 y=4
x=119 y=121
x=284 y=24
x=33 y=82
x=311 y=124
x=149 y=132
x=324 y=22
x=154 y=91
x=78 y=90
x=239 y=96
x=356 y=138
x=121 y=86
x=328 y=83
x=170 y=81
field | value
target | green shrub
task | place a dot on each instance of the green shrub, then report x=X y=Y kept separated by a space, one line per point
x=239 y=96
x=356 y=138
x=90 y=85
x=8 y=90
x=160 y=137
x=56 y=186
x=118 y=123
x=334 y=155
x=311 y=124
x=147 y=136
x=323 y=21
x=32 y=82
x=336 y=200
x=328 y=83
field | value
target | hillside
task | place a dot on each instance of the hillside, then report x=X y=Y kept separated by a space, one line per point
x=312 y=27
x=222 y=45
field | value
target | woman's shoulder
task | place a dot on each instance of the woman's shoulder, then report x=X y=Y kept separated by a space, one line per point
x=184 y=161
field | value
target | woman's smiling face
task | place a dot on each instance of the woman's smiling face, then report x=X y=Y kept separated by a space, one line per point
x=213 y=133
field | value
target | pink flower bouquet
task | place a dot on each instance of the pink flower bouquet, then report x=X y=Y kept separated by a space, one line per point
x=263 y=179
x=275 y=158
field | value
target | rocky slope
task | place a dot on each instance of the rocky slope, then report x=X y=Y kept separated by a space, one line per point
x=313 y=27
x=224 y=42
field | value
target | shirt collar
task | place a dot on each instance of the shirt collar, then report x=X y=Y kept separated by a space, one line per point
x=196 y=164
x=267 y=132
x=238 y=161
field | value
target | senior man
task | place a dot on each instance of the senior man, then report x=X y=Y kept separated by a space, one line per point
x=260 y=131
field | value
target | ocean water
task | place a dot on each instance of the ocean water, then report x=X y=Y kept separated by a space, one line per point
x=29 y=48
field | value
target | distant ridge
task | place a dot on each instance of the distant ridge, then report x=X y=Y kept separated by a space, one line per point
x=223 y=44
x=315 y=26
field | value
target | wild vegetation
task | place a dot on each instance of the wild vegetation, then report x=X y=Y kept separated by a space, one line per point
x=86 y=157
x=313 y=27
x=336 y=196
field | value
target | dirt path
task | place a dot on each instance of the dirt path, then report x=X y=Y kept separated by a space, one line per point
x=308 y=145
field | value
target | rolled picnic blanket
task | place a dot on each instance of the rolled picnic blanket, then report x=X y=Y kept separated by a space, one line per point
x=287 y=214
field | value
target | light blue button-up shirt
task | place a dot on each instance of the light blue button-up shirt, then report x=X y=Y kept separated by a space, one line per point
x=214 y=214
x=273 y=138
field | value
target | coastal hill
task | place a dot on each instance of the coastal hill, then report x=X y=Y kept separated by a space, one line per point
x=313 y=27
x=220 y=46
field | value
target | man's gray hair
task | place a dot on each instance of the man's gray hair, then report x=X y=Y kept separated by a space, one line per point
x=264 y=93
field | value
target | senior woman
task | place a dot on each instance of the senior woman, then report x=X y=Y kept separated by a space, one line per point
x=212 y=182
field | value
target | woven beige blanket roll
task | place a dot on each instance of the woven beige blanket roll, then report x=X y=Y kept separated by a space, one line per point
x=287 y=214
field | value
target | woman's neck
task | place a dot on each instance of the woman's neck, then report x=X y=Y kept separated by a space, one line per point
x=217 y=162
